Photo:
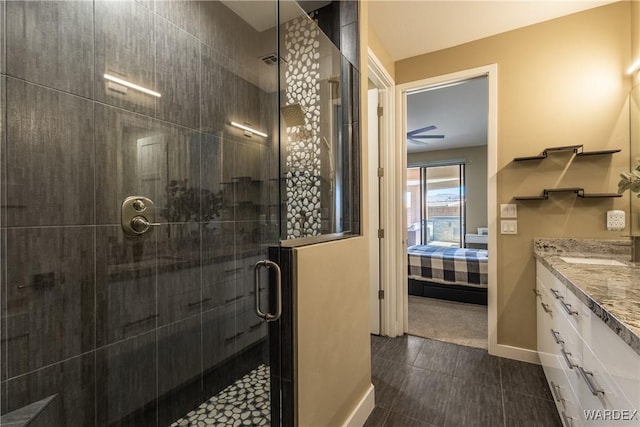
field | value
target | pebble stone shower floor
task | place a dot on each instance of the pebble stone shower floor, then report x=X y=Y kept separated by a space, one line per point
x=243 y=403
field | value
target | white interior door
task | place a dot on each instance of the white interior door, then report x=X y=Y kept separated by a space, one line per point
x=152 y=168
x=374 y=212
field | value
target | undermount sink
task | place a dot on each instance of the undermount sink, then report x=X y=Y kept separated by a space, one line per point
x=592 y=261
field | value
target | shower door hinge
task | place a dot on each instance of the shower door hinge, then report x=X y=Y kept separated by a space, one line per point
x=380 y=111
x=380 y=294
x=380 y=233
x=380 y=172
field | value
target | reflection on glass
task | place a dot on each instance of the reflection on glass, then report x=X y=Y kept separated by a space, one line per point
x=130 y=85
x=634 y=120
x=316 y=114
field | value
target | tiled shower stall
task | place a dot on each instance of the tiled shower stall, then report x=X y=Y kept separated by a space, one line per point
x=104 y=100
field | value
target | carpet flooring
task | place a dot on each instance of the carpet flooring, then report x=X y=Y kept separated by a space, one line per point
x=454 y=322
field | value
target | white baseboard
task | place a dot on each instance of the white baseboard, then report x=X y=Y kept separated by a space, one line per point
x=362 y=411
x=515 y=353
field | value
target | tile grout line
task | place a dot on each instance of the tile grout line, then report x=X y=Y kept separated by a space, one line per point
x=154 y=41
x=95 y=230
x=155 y=330
x=504 y=412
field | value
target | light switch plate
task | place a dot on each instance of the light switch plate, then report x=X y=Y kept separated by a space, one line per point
x=508 y=211
x=508 y=227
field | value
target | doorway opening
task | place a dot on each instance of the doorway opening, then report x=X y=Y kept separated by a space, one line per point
x=446 y=211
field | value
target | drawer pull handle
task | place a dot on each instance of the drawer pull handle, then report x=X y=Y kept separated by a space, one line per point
x=585 y=376
x=141 y=321
x=556 y=293
x=568 y=309
x=545 y=307
x=537 y=292
x=255 y=326
x=252 y=292
x=230 y=339
x=233 y=299
x=567 y=419
x=556 y=337
x=555 y=392
x=196 y=303
x=566 y=358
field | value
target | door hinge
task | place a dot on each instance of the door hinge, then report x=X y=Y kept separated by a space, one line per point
x=380 y=172
x=380 y=111
x=381 y=294
x=380 y=233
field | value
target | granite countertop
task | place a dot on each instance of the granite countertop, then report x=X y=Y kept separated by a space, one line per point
x=612 y=293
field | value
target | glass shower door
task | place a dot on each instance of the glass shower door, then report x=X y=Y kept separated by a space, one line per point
x=134 y=211
x=242 y=112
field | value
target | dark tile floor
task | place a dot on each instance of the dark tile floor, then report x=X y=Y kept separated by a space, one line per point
x=422 y=382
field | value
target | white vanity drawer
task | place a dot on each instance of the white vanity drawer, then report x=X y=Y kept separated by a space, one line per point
x=568 y=343
x=596 y=391
x=619 y=360
x=548 y=280
x=580 y=319
x=594 y=375
x=566 y=402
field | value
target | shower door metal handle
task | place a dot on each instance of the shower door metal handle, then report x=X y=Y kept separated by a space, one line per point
x=269 y=317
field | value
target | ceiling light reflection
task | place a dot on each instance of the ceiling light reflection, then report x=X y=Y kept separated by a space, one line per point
x=131 y=85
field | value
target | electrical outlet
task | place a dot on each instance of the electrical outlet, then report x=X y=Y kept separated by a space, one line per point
x=508 y=227
x=615 y=220
x=508 y=211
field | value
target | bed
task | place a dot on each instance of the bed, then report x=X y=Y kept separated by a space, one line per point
x=456 y=274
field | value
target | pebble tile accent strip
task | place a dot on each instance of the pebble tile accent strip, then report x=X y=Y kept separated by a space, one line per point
x=244 y=403
x=303 y=141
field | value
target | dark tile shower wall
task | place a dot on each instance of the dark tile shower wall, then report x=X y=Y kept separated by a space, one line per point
x=120 y=330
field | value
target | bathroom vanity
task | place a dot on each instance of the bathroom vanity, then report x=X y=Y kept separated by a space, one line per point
x=588 y=329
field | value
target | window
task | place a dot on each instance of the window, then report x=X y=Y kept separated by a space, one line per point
x=436 y=205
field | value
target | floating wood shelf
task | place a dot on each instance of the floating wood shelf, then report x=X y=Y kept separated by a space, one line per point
x=578 y=191
x=577 y=149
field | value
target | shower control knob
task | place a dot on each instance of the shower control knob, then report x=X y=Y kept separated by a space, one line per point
x=139 y=205
x=140 y=224
x=137 y=215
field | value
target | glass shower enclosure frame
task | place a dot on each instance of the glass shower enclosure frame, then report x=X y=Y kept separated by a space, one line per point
x=154 y=155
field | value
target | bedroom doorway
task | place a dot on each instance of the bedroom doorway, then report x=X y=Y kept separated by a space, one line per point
x=446 y=135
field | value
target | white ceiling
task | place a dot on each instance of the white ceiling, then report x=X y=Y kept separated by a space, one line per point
x=410 y=28
x=459 y=111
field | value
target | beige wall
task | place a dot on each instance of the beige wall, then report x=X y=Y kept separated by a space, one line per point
x=475 y=159
x=381 y=53
x=560 y=82
x=635 y=36
x=334 y=359
x=332 y=317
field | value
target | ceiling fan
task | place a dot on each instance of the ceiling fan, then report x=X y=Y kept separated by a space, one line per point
x=416 y=136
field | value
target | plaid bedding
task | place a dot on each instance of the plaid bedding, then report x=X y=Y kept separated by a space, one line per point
x=457 y=266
